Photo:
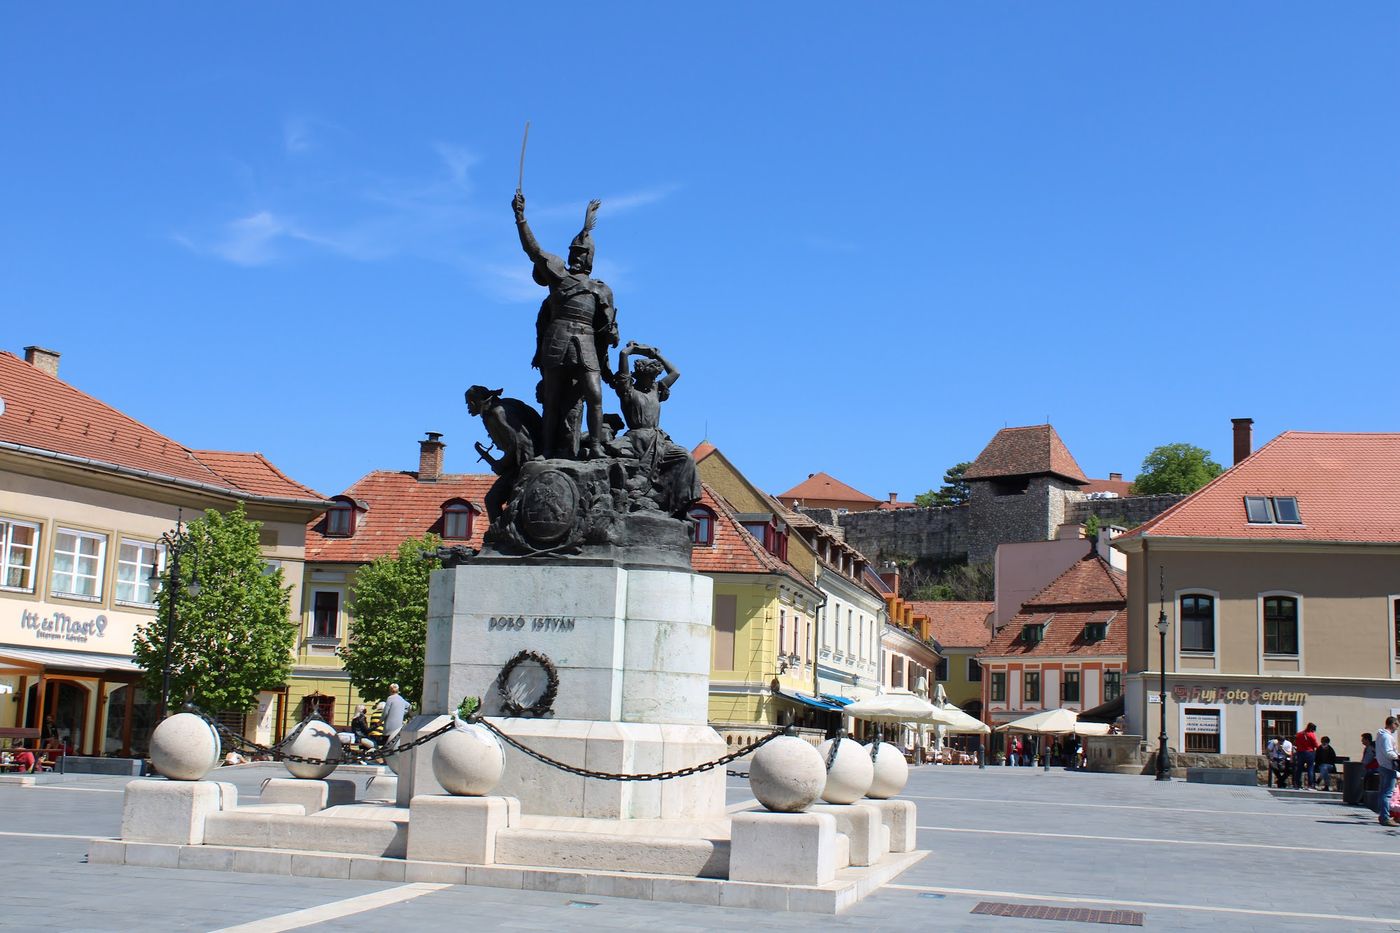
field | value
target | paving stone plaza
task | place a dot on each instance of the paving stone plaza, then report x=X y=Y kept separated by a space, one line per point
x=1183 y=856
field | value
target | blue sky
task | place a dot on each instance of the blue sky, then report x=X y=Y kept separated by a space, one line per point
x=869 y=235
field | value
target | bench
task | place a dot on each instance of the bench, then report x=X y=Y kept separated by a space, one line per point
x=1245 y=777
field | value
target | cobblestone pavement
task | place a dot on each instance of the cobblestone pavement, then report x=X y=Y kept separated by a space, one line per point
x=1186 y=856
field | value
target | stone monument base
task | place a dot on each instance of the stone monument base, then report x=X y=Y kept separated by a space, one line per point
x=615 y=747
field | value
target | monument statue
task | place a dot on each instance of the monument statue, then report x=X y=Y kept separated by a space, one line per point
x=663 y=477
x=514 y=428
x=576 y=325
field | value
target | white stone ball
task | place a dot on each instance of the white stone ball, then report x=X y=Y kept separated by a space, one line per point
x=850 y=775
x=891 y=772
x=317 y=740
x=468 y=761
x=184 y=747
x=787 y=774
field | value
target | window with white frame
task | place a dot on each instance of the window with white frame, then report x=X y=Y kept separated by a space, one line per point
x=325 y=614
x=78 y=558
x=1202 y=730
x=136 y=562
x=1280 y=625
x=19 y=546
x=1196 y=617
x=974 y=671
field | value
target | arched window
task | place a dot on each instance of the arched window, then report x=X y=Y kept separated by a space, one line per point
x=702 y=526
x=457 y=520
x=340 y=518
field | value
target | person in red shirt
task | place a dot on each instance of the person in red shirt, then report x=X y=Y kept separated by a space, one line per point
x=1305 y=745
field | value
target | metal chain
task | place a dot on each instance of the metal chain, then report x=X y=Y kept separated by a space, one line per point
x=353 y=755
x=612 y=776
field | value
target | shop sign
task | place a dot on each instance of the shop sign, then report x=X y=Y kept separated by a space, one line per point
x=1199 y=694
x=1203 y=723
x=60 y=626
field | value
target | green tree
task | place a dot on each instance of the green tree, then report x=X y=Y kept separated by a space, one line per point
x=233 y=639
x=1177 y=468
x=955 y=490
x=389 y=621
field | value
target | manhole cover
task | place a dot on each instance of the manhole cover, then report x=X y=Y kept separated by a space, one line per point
x=1127 y=918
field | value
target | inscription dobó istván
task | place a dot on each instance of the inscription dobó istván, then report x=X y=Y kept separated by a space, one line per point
x=533 y=624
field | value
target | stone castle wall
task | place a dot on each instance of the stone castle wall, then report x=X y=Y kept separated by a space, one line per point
x=1133 y=509
x=972 y=532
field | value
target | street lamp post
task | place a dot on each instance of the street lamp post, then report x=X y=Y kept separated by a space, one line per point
x=1164 y=766
x=176 y=542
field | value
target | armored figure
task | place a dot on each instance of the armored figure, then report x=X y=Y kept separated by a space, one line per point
x=576 y=325
x=663 y=477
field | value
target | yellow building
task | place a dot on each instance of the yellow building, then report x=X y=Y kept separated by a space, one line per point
x=369 y=520
x=85 y=494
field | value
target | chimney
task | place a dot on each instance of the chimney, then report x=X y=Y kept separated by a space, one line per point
x=1244 y=437
x=430 y=458
x=1116 y=477
x=810 y=475
x=39 y=358
x=894 y=496
x=890 y=574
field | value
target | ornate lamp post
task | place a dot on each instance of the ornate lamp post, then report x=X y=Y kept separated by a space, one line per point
x=176 y=543
x=1164 y=767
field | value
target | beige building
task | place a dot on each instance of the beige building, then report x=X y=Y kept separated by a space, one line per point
x=85 y=494
x=1280 y=586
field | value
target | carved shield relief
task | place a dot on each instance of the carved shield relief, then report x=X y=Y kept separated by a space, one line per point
x=549 y=508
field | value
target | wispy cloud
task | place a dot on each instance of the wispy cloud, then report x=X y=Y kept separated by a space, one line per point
x=312 y=204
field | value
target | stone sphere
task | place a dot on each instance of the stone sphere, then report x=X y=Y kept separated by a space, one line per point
x=317 y=740
x=787 y=774
x=184 y=747
x=891 y=772
x=468 y=761
x=850 y=774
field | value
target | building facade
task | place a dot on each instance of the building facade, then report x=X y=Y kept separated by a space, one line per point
x=85 y=494
x=1279 y=583
x=962 y=629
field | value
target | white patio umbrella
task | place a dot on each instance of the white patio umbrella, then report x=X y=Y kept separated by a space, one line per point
x=1050 y=722
x=964 y=724
x=897 y=706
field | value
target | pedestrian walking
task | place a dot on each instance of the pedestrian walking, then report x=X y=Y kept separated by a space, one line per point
x=1386 y=763
x=1305 y=745
x=395 y=709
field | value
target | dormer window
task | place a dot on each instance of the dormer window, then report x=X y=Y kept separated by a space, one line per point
x=1272 y=510
x=702 y=526
x=340 y=518
x=767 y=533
x=1095 y=632
x=457 y=520
x=1032 y=634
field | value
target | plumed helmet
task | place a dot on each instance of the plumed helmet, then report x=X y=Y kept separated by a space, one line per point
x=583 y=243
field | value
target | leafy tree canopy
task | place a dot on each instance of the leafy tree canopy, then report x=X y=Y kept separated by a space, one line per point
x=234 y=638
x=949 y=582
x=955 y=490
x=1179 y=468
x=389 y=621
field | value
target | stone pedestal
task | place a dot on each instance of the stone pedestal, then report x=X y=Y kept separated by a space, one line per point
x=900 y=818
x=864 y=826
x=313 y=796
x=461 y=830
x=783 y=848
x=172 y=811
x=629 y=644
x=632 y=650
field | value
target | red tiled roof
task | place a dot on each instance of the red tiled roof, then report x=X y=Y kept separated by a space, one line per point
x=702 y=450
x=1063 y=637
x=888 y=506
x=1122 y=487
x=46 y=413
x=1027 y=451
x=1347 y=487
x=1089 y=591
x=254 y=473
x=735 y=550
x=1089 y=581
x=957 y=624
x=822 y=486
x=400 y=507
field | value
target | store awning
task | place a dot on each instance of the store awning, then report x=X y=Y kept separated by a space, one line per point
x=811 y=701
x=839 y=701
x=50 y=658
x=1112 y=711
